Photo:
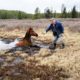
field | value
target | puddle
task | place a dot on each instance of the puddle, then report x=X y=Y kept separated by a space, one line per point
x=17 y=60
x=1 y=60
x=43 y=45
x=12 y=63
x=6 y=40
x=6 y=44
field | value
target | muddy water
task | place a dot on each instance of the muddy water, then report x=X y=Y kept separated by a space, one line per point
x=1 y=60
x=5 y=44
x=17 y=60
x=43 y=45
x=10 y=45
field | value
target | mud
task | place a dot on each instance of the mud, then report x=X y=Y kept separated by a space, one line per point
x=26 y=49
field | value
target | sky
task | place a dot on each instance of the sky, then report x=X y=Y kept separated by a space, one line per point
x=29 y=6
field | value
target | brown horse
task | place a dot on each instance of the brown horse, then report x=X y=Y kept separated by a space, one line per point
x=26 y=41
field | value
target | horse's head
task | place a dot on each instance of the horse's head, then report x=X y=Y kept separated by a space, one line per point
x=32 y=32
x=27 y=39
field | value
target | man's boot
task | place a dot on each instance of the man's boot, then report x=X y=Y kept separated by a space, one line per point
x=62 y=45
x=53 y=46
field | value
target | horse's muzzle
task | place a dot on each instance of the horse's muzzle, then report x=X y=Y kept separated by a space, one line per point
x=36 y=35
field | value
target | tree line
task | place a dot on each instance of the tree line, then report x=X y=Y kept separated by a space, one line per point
x=14 y=14
x=48 y=13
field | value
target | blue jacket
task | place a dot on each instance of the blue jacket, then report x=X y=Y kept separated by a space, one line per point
x=57 y=29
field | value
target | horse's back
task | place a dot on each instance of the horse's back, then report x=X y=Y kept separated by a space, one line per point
x=24 y=43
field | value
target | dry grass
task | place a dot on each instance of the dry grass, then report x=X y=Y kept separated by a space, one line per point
x=61 y=64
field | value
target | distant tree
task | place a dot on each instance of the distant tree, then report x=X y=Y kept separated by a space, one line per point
x=37 y=13
x=74 y=12
x=69 y=14
x=64 y=13
x=19 y=15
x=54 y=14
x=48 y=13
x=3 y=15
x=78 y=14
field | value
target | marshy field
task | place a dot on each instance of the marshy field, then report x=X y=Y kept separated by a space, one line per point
x=40 y=63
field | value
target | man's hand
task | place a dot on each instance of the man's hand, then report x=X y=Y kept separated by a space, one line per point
x=44 y=33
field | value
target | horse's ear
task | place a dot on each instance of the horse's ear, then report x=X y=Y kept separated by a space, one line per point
x=30 y=28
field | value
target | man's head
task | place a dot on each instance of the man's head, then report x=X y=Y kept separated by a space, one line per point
x=53 y=21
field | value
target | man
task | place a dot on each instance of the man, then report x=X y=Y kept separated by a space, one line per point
x=57 y=29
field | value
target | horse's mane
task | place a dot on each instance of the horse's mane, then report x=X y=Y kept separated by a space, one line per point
x=27 y=35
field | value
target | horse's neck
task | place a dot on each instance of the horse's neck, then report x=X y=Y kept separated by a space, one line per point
x=27 y=37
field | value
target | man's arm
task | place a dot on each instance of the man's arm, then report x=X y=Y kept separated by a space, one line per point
x=48 y=28
x=61 y=28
